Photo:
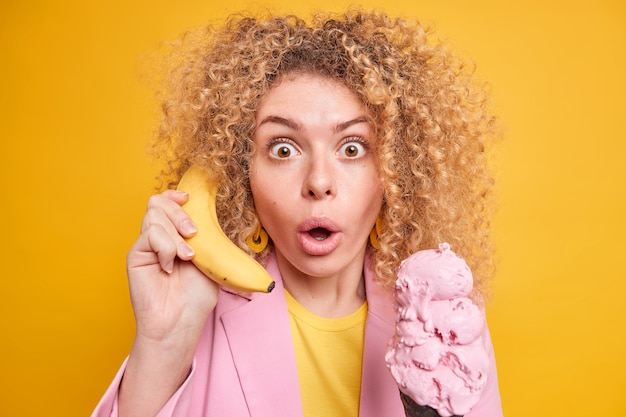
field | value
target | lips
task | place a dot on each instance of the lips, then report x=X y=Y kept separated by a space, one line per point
x=318 y=236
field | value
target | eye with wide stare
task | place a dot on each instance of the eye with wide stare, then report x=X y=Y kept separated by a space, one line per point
x=282 y=150
x=352 y=149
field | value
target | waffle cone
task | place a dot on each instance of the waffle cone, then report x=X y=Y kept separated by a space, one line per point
x=413 y=409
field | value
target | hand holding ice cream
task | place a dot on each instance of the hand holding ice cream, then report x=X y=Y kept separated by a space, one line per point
x=437 y=355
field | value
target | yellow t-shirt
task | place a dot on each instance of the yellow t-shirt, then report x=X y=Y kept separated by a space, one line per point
x=329 y=354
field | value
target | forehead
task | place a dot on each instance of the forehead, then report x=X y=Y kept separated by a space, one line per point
x=302 y=93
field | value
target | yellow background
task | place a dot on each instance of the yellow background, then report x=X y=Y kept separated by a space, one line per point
x=75 y=178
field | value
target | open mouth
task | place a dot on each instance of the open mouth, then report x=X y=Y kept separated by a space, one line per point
x=319 y=233
x=319 y=236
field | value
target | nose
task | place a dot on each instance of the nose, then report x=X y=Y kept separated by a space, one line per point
x=320 y=181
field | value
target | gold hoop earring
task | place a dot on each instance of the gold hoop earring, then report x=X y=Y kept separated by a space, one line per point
x=259 y=239
x=376 y=231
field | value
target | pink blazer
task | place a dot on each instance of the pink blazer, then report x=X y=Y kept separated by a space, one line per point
x=245 y=363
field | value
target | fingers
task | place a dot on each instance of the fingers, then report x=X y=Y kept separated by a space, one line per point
x=164 y=227
x=166 y=247
x=167 y=205
x=165 y=208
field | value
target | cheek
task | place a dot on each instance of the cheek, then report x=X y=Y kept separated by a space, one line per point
x=270 y=183
x=263 y=194
x=256 y=178
x=376 y=199
x=373 y=188
x=376 y=205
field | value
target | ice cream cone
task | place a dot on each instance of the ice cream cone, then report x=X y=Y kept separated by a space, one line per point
x=437 y=353
x=413 y=409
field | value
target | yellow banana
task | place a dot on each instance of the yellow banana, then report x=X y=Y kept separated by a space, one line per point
x=215 y=254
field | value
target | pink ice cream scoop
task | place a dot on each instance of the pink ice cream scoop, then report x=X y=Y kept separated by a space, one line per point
x=437 y=355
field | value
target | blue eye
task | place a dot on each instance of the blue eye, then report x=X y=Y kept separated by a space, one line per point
x=352 y=149
x=283 y=150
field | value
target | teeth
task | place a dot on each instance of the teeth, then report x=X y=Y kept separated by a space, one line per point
x=319 y=233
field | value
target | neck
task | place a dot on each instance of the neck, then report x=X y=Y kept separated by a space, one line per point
x=329 y=296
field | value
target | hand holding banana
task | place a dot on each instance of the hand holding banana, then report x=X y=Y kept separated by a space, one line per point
x=215 y=254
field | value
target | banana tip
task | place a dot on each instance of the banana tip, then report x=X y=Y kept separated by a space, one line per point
x=271 y=286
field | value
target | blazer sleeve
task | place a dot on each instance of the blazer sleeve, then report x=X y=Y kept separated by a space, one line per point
x=490 y=404
x=177 y=405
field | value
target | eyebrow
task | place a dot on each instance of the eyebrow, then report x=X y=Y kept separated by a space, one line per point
x=343 y=126
x=281 y=121
x=340 y=127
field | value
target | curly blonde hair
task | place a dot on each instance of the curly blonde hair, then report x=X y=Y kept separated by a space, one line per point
x=431 y=118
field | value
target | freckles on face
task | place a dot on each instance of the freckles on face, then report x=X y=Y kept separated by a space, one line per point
x=314 y=176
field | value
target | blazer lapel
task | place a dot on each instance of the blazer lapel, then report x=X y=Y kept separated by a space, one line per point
x=380 y=396
x=262 y=348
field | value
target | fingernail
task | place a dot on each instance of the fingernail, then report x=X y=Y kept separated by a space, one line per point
x=169 y=267
x=188 y=227
x=185 y=250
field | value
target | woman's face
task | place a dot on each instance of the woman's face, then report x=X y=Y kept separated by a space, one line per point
x=314 y=178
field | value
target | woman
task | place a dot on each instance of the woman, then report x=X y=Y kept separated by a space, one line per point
x=316 y=132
